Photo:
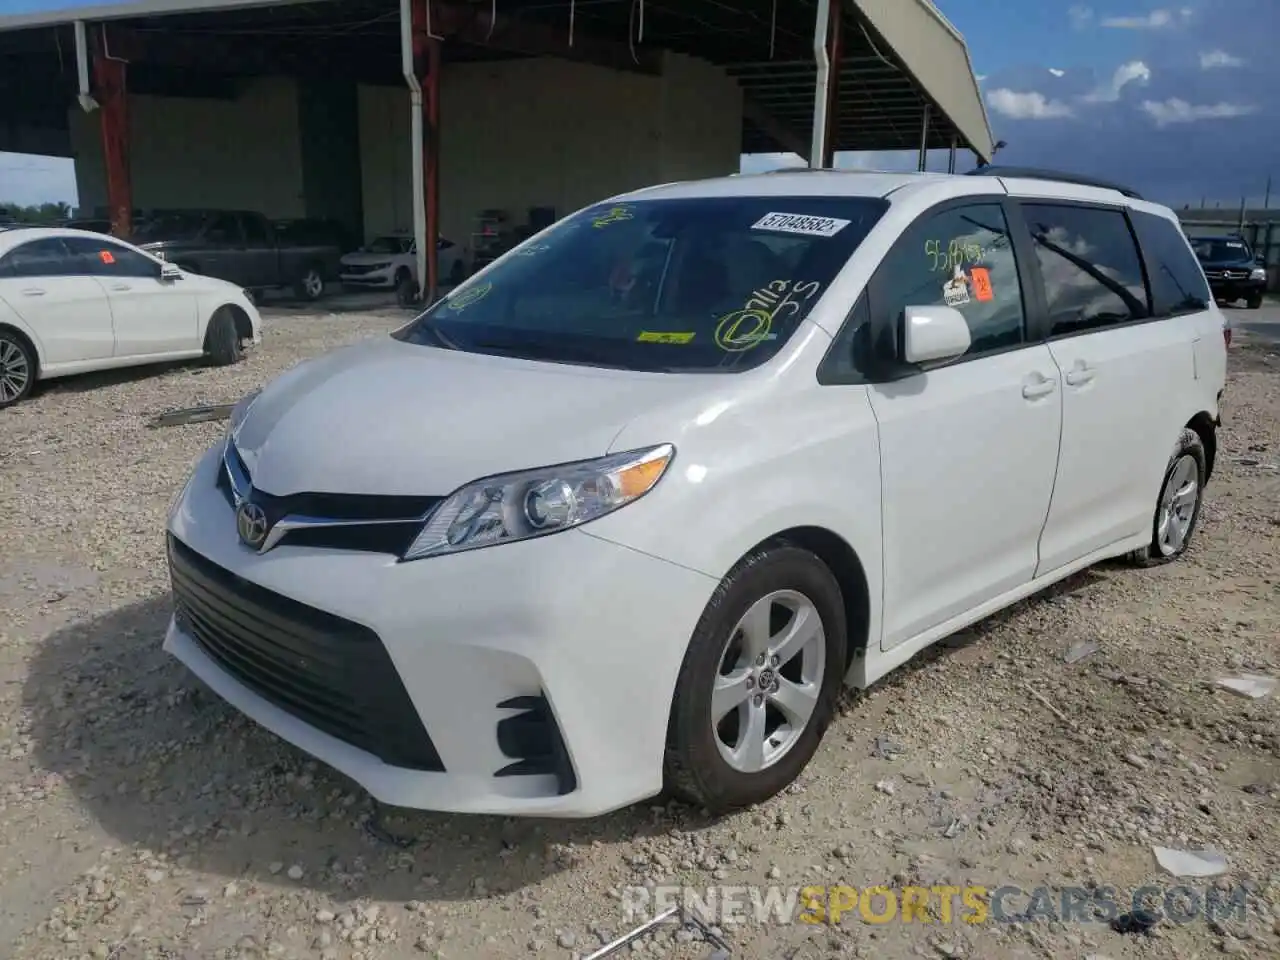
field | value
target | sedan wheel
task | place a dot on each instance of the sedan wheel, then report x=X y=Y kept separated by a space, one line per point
x=17 y=369
x=311 y=284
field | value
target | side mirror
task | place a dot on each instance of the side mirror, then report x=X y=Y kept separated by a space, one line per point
x=1260 y=259
x=933 y=333
x=170 y=272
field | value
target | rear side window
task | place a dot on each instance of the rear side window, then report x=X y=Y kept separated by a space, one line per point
x=40 y=258
x=1177 y=280
x=1090 y=267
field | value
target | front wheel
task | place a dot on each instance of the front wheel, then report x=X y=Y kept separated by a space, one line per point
x=1255 y=301
x=759 y=681
x=1178 y=507
x=222 y=339
x=310 y=285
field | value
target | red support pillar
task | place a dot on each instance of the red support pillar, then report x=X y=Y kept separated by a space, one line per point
x=113 y=100
x=426 y=63
x=835 y=54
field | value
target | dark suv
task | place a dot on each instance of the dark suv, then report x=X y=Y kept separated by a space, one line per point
x=1231 y=269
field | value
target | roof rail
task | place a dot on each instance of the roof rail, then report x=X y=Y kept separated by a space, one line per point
x=1032 y=173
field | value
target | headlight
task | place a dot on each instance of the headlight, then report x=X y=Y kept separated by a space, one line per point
x=1259 y=273
x=533 y=503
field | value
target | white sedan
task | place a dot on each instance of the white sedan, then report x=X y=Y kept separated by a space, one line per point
x=72 y=301
x=390 y=262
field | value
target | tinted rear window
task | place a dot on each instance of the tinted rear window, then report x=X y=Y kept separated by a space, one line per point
x=1214 y=250
x=1177 y=281
x=707 y=284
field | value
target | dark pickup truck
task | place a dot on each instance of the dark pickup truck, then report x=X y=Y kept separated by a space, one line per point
x=1231 y=269
x=242 y=247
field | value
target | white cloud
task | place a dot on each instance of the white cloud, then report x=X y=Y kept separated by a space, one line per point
x=1026 y=106
x=1057 y=73
x=1166 y=112
x=1080 y=17
x=1219 y=58
x=1135 y=71
x=1159 y=19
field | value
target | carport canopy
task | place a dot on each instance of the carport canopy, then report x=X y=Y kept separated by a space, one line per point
x=903 y=79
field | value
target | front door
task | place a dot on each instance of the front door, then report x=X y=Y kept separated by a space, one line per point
x=151 y=316
x=969 y=447
x=45 y=285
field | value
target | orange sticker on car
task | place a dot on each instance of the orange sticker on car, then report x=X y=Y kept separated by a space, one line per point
x=107 y=256
x=981 y=279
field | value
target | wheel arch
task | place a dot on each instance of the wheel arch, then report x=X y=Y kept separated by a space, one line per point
x=846 y=566
x=29 y=342
x=1205 y=427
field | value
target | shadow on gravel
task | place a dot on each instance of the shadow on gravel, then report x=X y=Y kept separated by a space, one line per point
x=162 y=763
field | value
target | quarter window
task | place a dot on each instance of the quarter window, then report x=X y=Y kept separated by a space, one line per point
x=39 y=258
x=960 y=257
x=1090 y=267
x=1177 y=280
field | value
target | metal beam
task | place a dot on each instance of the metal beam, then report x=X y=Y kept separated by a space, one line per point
x=479 y=26
x=781 y=133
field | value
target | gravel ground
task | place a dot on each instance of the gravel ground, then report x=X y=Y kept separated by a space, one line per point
x=141 y=818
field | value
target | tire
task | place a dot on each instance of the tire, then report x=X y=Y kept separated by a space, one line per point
x=1255 y=301
x=457 y=273
x=310 y=286
x=696 y=768
x=222 y=340
x=18 y=369
x=1169 y=543
x=406 y=289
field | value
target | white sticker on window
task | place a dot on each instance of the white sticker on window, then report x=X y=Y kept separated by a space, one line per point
x=955 y=292
x=1235 y=246
x=800 y=223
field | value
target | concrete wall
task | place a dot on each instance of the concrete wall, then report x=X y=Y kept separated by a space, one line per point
x=515 y=134
x=237 y=154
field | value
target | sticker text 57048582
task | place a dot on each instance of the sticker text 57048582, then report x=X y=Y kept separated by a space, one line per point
x=800 y=223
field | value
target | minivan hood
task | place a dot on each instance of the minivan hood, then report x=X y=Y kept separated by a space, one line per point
x=394 y=418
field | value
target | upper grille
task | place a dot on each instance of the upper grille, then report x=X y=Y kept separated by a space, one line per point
x=329 y=672
x=392 y=521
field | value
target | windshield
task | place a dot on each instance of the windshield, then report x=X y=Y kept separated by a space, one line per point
x=391 y=245
x=712 y=284
x=1212 y=250
x=171 y=226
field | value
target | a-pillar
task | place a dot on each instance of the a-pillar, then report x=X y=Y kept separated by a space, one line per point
x=426 y=62
x=111 y=93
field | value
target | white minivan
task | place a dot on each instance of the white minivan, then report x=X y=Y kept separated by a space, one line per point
x=623 y=511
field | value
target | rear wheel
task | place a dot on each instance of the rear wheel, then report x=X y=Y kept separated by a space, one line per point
x=759 y=681
x=1178 y=506
x=17 y=369
x=310 y=286
x=222 y=339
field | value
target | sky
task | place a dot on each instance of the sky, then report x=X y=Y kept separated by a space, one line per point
x=1180 y=101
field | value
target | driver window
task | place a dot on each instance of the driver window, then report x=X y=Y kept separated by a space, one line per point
x=962 y=258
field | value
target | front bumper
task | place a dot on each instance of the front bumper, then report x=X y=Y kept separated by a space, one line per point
x=567 y=638
x=376 y=280
x=1236 y=289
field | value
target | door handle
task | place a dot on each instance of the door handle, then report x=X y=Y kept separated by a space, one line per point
x=1079 y=374
x=33 y=292
x=1038 y=386
x=121 y=286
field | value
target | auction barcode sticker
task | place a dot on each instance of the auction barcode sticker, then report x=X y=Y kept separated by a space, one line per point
x=800 y=223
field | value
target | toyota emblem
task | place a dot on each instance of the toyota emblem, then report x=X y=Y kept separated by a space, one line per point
x=251 y=524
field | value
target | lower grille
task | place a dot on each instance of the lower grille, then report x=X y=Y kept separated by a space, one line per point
x=532 y=739
x=328 y=672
